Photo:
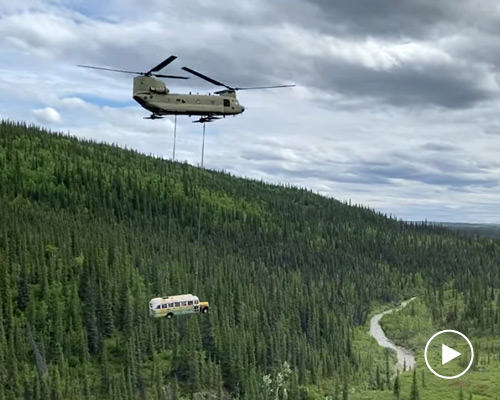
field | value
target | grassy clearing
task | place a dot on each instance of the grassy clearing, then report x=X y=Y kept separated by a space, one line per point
x=412 y=327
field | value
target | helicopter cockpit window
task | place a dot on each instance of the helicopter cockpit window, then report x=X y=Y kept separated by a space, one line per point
x=160 y=90
x=226 y=103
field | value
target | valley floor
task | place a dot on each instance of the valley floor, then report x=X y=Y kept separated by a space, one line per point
x=412 y=327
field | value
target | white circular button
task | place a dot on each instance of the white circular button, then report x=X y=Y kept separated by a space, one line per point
x=449 y=354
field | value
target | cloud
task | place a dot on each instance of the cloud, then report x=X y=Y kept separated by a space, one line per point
x=440 y=147
x=389 y=173
x=415 y=74
x=396 y=105
x=404 y=18
x=47 y=115
x=387 y=69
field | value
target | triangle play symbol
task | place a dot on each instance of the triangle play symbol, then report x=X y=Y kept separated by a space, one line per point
x=448 y=354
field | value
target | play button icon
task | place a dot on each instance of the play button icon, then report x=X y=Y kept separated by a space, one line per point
x=448 y=354
x=443 y=363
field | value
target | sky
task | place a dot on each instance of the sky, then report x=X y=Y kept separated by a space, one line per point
x=396 y=105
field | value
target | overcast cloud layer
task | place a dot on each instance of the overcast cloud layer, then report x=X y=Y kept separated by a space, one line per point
x=397 y=104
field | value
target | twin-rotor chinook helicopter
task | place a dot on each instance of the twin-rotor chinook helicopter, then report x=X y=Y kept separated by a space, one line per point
x=154 y=96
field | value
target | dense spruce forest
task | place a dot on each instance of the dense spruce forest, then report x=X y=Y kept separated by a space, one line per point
x=489 y=230
x=90 y=232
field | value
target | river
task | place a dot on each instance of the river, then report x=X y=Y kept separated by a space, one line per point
x=405 y=356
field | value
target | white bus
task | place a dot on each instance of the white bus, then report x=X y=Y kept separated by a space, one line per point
x=176 y=305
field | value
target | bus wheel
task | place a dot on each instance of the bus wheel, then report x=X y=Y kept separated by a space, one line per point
x=170 y=315
x=205 y=310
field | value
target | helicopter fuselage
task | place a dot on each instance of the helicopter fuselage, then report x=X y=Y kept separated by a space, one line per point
x=154 y=96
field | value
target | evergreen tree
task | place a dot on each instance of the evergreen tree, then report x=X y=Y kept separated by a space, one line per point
x=336 y=395
x=397 y=388
x=345 y=391
x=387 y=370
x=414 y=388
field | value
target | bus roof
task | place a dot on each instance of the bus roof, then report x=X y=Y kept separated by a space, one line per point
x=177 y=297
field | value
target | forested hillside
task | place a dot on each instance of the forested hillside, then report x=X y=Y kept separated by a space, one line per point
x=490 y=230
x=90 y=232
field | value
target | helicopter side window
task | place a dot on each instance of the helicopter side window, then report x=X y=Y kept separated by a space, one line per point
x=226 y=103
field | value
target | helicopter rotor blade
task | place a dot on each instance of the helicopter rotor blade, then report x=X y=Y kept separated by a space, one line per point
x=169 y=76
x=134 y=72
x=256 y=87
x=162 y=65
x=263 y=87
x=111 y=69
x=212 y=81
x=217 y=83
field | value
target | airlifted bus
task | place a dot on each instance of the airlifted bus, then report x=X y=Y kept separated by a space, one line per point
x=176 y=305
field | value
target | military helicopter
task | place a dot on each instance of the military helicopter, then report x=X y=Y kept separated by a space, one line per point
x=154 y=96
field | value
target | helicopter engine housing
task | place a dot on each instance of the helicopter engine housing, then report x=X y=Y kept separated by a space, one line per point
x=146 y=85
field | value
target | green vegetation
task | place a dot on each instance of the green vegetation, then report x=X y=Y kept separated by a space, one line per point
x=89 y=233
x=462 y=311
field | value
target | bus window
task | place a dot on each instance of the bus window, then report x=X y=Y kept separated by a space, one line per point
x=177 y=304
x=196 y=302
x=158 y=306
x=190 y=303
x=170 y=305
x=184 y=303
